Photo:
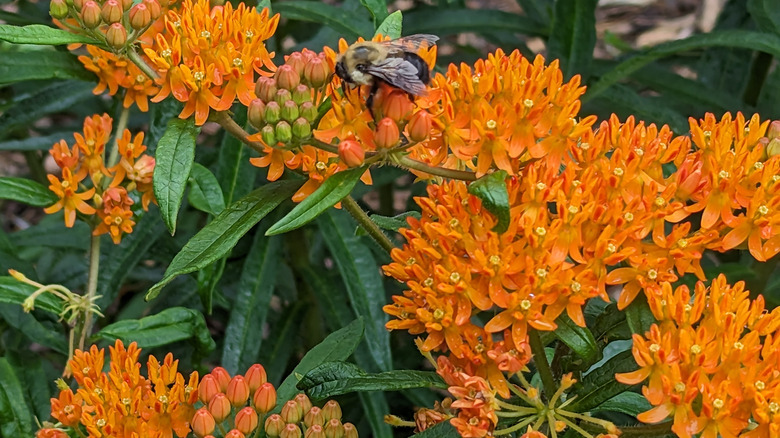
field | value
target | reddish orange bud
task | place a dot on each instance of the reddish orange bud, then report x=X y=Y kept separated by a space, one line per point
x=207 y=388
x=112 y=11
x=286 y=77
x=238 y=391
x=203 y=423
x=58 y=9
x=420 y=125
x=265 y=88
x=140 y=16
x=291 y=431
x=334 y=428
x=397 y=105
x=246 y=420
x=314 y=417
x=116 y=35
x=350 y=431
x=51 y=433
x=387 y=134
x=222 y=376
x=316 y=72
x=331 y=410
x=154 y=8
x=264 y=399
x=255 y=376
x=90 y=14
x=235 y=433
x=296 y=61
x=351 y=153
x=274 y=425
x=303 y=402
x=219 y=406
x=79 y=4
x=126 y=4
x=315 y=431
x=255 y=113
x=291 y=413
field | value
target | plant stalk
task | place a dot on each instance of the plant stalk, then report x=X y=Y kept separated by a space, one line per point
x=367 y=224
x=133 y=56
x=226 y=122
x=438 y=171
x=92 y=281
x=540 y=359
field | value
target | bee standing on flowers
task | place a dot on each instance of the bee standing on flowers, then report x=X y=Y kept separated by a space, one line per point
x=394 y=62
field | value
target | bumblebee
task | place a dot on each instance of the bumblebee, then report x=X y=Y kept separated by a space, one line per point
x=394 y=62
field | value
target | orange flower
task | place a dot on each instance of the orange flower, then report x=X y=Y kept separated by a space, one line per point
x=116 y=72
x=70 y=200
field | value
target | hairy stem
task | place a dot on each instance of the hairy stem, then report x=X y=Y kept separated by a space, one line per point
x=438 y=171
x=133 y=56
x=224 y=120
x=94 y=269
x=540 y=359
x=367 y=224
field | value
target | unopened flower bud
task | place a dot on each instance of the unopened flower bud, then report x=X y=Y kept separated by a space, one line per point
x=314 y=417
x=350 y=431
x=126 y=4
x=419 y=126
x=308 y=111
x=296 y=61
x=90 y=14
x=773 y=148
x=264 y=399
x=289 y=111
x=235 y=433
x=255 y=113
x=78 y=4
x=301 y=129
x=246 y=420
x=268 y=134
x=301 y=94
x=208 y=388
x=112 y=11
x=265 y=89
x=291 y=431
x=334 y=429
x=273 y=112
x=774 y=130
x=397 y=105
x=331 y=410
x=222 y=376
x=316 y=72
x=58 y=9
x=203 y=423
x=286 y=77
x=315 y=431
x=140 y=16
x=116 y=35
x=154 y=8
x=387 y=134
x=274 y=425
x=283 y=132
x=219 y=406
x=282 y=96
x=237 y=391
x=255 y=376
x=352 y=154
x=304 y=404
x=291 y=413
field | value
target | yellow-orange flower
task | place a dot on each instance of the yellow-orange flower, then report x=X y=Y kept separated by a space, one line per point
x=69 y=199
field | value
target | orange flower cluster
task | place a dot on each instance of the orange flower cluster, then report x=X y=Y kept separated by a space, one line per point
x=209 y=56
x=107 y=192
x=711 y=361
x=122 y=402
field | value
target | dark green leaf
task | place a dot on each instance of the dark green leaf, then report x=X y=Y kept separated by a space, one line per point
x=32 y=329
x=611 y=325
x=727 y=38
x=15 y=418
x=26 y=191
x=639 y=315
x=51 y=232
x=234 y=171
x=766 y=13
x=538 y=10
x=600 y=385
x=573 y=36
x=330 y=193
x=15 y=292
x=441 y=430
x=339 y=345
x=629 y=403
x=578 y=339
x=396 y=222
x=35 y=382
x=169 y=326
x=173 y=162
x=454 y=21
x=34 y=143
x=363 y=282
x=205 y=192
x=621 y=98
x=217 y=238
x=40 y=34
x=375 y=408
x=336 y=378
x=280 y=347
x=491 y=190
x=391 y=26
x=41 y=64
x=378 y=10
x=332 y=16
x=160 y=114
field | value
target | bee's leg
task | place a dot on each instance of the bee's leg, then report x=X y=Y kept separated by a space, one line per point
x=370 y=99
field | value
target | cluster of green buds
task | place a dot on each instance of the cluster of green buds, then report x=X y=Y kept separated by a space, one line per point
x=117 y=22
x=286 y=105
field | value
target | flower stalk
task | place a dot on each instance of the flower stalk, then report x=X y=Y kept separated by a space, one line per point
x=367 y=224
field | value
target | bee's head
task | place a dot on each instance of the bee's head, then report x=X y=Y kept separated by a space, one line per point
x=341 y=71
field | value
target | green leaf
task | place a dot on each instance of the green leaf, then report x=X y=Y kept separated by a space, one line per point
x=639 y=315
x=15 y=292
x=34 y=143
x=331 y=192
x=35 y=382
x=253 y=300
x=40 y=34
x=339 y=345
x=35 y=331
x=578 y=339
x=217 y=238
x=15 y=418
x=727 y=38
x=332 y=16
x=766 y=13
x=160 y=114
x=491 y=190
x=611 y=325
x=59 y=96
x=280 y=347
x=538 y=10
x=234 y=171
x=391 y=26
x=26 y=191
x=573 y=36
x=41 y=64
x=336 y=378
x=363 y=282
x=657 y=110
x=441 y=430
x=174 y=157
x=629 y=403
x=454 y=21
x=394 y=223
x=600 y=385
x=378 y=10
x=205 y=192
x=169 y=326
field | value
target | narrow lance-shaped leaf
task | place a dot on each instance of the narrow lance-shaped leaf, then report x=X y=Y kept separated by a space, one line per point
x=13 y=291
x=600 y=385
x=15 y=418
x=173 y=162
x=40 y=34
x=26 y=191
x=205 y=193
x=573 y=35
x=41 y=64
x=579 y=339
x=332 y=16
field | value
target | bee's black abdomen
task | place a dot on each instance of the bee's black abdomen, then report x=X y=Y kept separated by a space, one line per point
x=423 y=69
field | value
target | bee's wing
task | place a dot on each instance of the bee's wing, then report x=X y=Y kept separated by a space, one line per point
x=412 y=43
x=399 y=73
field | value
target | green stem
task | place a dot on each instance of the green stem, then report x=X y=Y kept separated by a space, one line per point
x=94 y=269
x=367 y=224
x=225 y=121
x=654 y=430
x=133 y=56
x=759 y=70
x=121 y=125
x=438 y=171
x=540 y=359
x=323 y=145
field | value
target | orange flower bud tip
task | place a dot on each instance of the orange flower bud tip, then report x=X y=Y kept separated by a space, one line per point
x=350 y=431
x=265 y=89
x=387 y=133
x=351 y=153
x=203 y=423
x=286 y=77
x=140 y=16
x=264 y=398
x=255 y=115
x=291 y=431
x=90 y=14
x=219 y=406
x=154 y=8
x=291 y=413
x=112 y=11
x=774 y=129
x=334 y=429
x=255 y=376
x=235 y=433
x=208 y=388
x=420 y=125
x=246 y=420
x=314 y=417
x=237 y=391
x=296 y=61
x=315 y=431
x=116 y=35
x=331 y=410
x=274 y=425
x=316 y=72
x=303 y=402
